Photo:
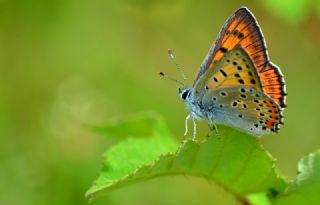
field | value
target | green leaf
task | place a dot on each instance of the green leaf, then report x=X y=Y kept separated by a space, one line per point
x=306 y=188
x=236 y=161
x=147 y=137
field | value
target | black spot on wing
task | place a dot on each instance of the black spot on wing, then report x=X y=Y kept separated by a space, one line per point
x=223 y=50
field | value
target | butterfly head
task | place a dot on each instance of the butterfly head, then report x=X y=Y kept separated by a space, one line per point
x=185 y=93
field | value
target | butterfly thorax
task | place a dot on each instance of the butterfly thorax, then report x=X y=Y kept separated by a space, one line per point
x=194 y=107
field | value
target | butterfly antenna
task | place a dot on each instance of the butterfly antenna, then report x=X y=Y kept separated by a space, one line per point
x=173 y=79
x=178 y=66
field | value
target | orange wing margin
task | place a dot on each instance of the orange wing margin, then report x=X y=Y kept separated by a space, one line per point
x=273 y=84
x=242 y=30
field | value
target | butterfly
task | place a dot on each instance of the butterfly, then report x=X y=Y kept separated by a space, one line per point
x=237 y=85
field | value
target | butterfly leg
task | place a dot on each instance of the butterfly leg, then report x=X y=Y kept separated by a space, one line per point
x=194 y=129
x=186 y=122
x=194 y=126
x=213 y=127
x=216 y=130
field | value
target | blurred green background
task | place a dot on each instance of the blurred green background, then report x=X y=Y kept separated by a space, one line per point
x=67 y=64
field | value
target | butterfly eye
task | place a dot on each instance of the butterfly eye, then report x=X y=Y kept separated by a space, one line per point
x=185 y=94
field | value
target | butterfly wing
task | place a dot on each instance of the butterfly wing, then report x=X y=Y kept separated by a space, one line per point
x=235 y=68
x=231 y=93
x=241 y=31
x=247 y=109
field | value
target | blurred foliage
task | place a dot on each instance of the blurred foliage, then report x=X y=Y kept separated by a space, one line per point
x=66 y=65
x=136 y=125
x=294 y=11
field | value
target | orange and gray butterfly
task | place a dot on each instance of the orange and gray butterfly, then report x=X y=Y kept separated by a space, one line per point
x=242 y=31
x=232 y=91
